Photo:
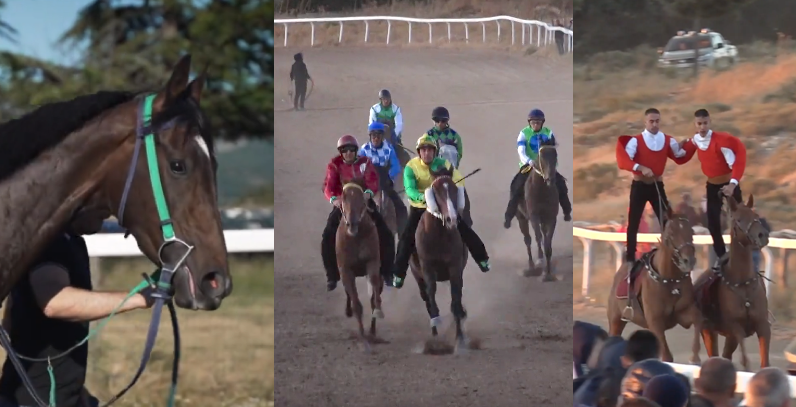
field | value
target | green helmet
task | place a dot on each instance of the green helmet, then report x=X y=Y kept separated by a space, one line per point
x=426 y=140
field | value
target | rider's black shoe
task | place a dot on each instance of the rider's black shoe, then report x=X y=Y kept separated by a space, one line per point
x=507 y=222
x=331 y=285
x=567 y=217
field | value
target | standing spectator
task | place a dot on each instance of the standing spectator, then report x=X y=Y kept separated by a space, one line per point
x=299 y=75
x=686 y=208
x=667 y=390
x=768 y=388
x=639 y=375
x=559 y=37
x=716 y=382
x=587 y=341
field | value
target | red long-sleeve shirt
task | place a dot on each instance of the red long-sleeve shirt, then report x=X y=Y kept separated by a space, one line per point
x=720 y=153
x=644 y=155
x=338 y=173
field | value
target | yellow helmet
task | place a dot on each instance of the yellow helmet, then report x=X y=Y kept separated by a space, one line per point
x=426 y=140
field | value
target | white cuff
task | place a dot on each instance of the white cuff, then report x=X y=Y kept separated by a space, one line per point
x=635 y=167
x=734 y=181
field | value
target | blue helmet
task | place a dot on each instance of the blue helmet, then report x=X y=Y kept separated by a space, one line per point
x=376 y=126
x=536 y=114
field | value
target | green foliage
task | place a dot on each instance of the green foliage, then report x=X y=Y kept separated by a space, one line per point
x=135 y=45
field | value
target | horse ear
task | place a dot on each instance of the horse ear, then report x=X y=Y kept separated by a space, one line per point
x=750 y=203
x=176 y=84
x=197 y=85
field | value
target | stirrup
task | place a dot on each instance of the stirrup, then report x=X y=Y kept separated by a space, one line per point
x=624 y=312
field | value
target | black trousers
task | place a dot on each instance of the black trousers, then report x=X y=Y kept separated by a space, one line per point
x=517 y=190
x=329 y=239
x=406 y=243
x=300 y=94
x=640 y=194
x=386 y=184
x=714 y=215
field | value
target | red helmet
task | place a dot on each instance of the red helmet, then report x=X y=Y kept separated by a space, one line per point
x=347 y=140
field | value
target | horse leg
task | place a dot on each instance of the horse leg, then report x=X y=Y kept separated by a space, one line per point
x=616 y=325
x=711 y=339
x=349 y=282
x=730 y=345
x=525 y=228
x=348 y=311
x=431 y=293
x=537 y=230
x=764 y=341
x=548 y=251
x=657 y=327
x=693 y=318
x=459 y=314
x=376 y=285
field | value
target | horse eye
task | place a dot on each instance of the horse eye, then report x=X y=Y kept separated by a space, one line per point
x=177 y=167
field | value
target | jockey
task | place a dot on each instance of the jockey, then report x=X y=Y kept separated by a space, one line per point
x=443 y=133
x=723 y=159
x=645 y=156
x=528 y=148
x=341 y=169
x=382 y=154
x=389 y=112
x=417 y=178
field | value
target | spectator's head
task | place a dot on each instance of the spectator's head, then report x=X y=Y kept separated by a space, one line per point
x=640 y=402
x=768 y=388
x=639 y=374
x=587 y=341
x=298 y=57
x=641 y=345
x=716 y=381
x=667 y=390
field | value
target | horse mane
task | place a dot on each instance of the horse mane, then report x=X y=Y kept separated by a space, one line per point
x=360 y=181
x=442 y=171
x=548 y=142
x=23 y=139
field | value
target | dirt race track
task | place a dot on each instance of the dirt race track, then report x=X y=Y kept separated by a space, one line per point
x=524 y=325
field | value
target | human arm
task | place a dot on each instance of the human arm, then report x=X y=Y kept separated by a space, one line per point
x=677 y=153
x=292 y=72
x=395 y=165
x=457 y=177
x=734 y=152
x=55 y=296
x=372 y=118
x=625 y=152
x=331 y=185
x=410 y=186
x=371 y=178
x=362 y=152
x=459 y=146
x=521 y=150
x=399 y=120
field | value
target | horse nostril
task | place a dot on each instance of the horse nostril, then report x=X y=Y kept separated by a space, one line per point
x=214 y=284
x=760 y=236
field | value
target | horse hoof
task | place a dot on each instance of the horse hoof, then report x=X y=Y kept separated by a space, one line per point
x=532 y=272
x=435 y=346
x=435 y=322
x=546 y=278
x=349 y=312
x=379 y=314
x=695 y=361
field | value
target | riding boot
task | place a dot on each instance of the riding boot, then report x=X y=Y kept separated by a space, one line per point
x=406 y=246
x=400 y=210
x=515 y=196
x=386 y=243
x=475 y=245
x=563 y=197
x=328 y=250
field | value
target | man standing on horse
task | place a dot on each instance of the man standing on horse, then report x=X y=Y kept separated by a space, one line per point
x=382 y=154
x=417 y=178
x=528 y=143
x=388 y=113
x=645 y=155
x=343 y=168
x=723 y=159
x=48 y=312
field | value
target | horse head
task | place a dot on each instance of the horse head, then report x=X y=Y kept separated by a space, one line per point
x=678 y=238
x=548 y=161
x=746 y=226
x=353 y=205
x=444 y=198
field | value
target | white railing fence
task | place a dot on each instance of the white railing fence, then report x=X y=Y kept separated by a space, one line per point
x=238 y=241
x=544 y=33
x=616 y=240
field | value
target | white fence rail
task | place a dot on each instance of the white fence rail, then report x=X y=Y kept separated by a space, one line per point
x=238 y=241
x=544 y=32
x=588 y=237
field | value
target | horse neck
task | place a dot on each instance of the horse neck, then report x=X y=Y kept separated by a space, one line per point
x=39 y=199
x=740 y=264
x=663 y=262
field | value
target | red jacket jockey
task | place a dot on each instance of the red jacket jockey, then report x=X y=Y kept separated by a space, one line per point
x=347 y=166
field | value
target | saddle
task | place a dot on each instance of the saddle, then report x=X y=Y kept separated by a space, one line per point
x=706 y=289
x=636 y=277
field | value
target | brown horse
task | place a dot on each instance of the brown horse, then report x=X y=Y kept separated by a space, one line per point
x=657 y=293
x=358 y=255
x=441 y=254
x=738 y=306
x=540 y=208
x=85 y=153
x=387 y=210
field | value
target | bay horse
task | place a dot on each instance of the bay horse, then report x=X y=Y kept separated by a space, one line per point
x=657 y=290
x=734 y=300
x=358 y=255
x=539 y=207
x=383 y=202
x=440 y=253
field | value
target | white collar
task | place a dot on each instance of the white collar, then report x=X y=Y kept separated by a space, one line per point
x=700 y=138
x=647 y=134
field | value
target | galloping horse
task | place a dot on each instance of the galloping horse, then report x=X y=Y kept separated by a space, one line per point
x=85 y=154
x=358 y=255
x=441 y=254
x=540 y=208
x=657 y=291
x=451 y=154
x=384 y=203
x=737 y=307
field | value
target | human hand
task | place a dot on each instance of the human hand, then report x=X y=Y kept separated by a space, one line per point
x=645 y=171
x=728 y=189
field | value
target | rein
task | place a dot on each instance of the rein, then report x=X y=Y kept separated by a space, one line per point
x=159 y=282
x=348 y=186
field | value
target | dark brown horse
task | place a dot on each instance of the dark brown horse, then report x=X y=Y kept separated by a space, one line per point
x=358 y=255
x=734 y=299
x=84 y=153
x=441 y=254
x=540 y=209
x=657 y=293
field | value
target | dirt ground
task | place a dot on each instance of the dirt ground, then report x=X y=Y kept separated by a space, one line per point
x=524 y=325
